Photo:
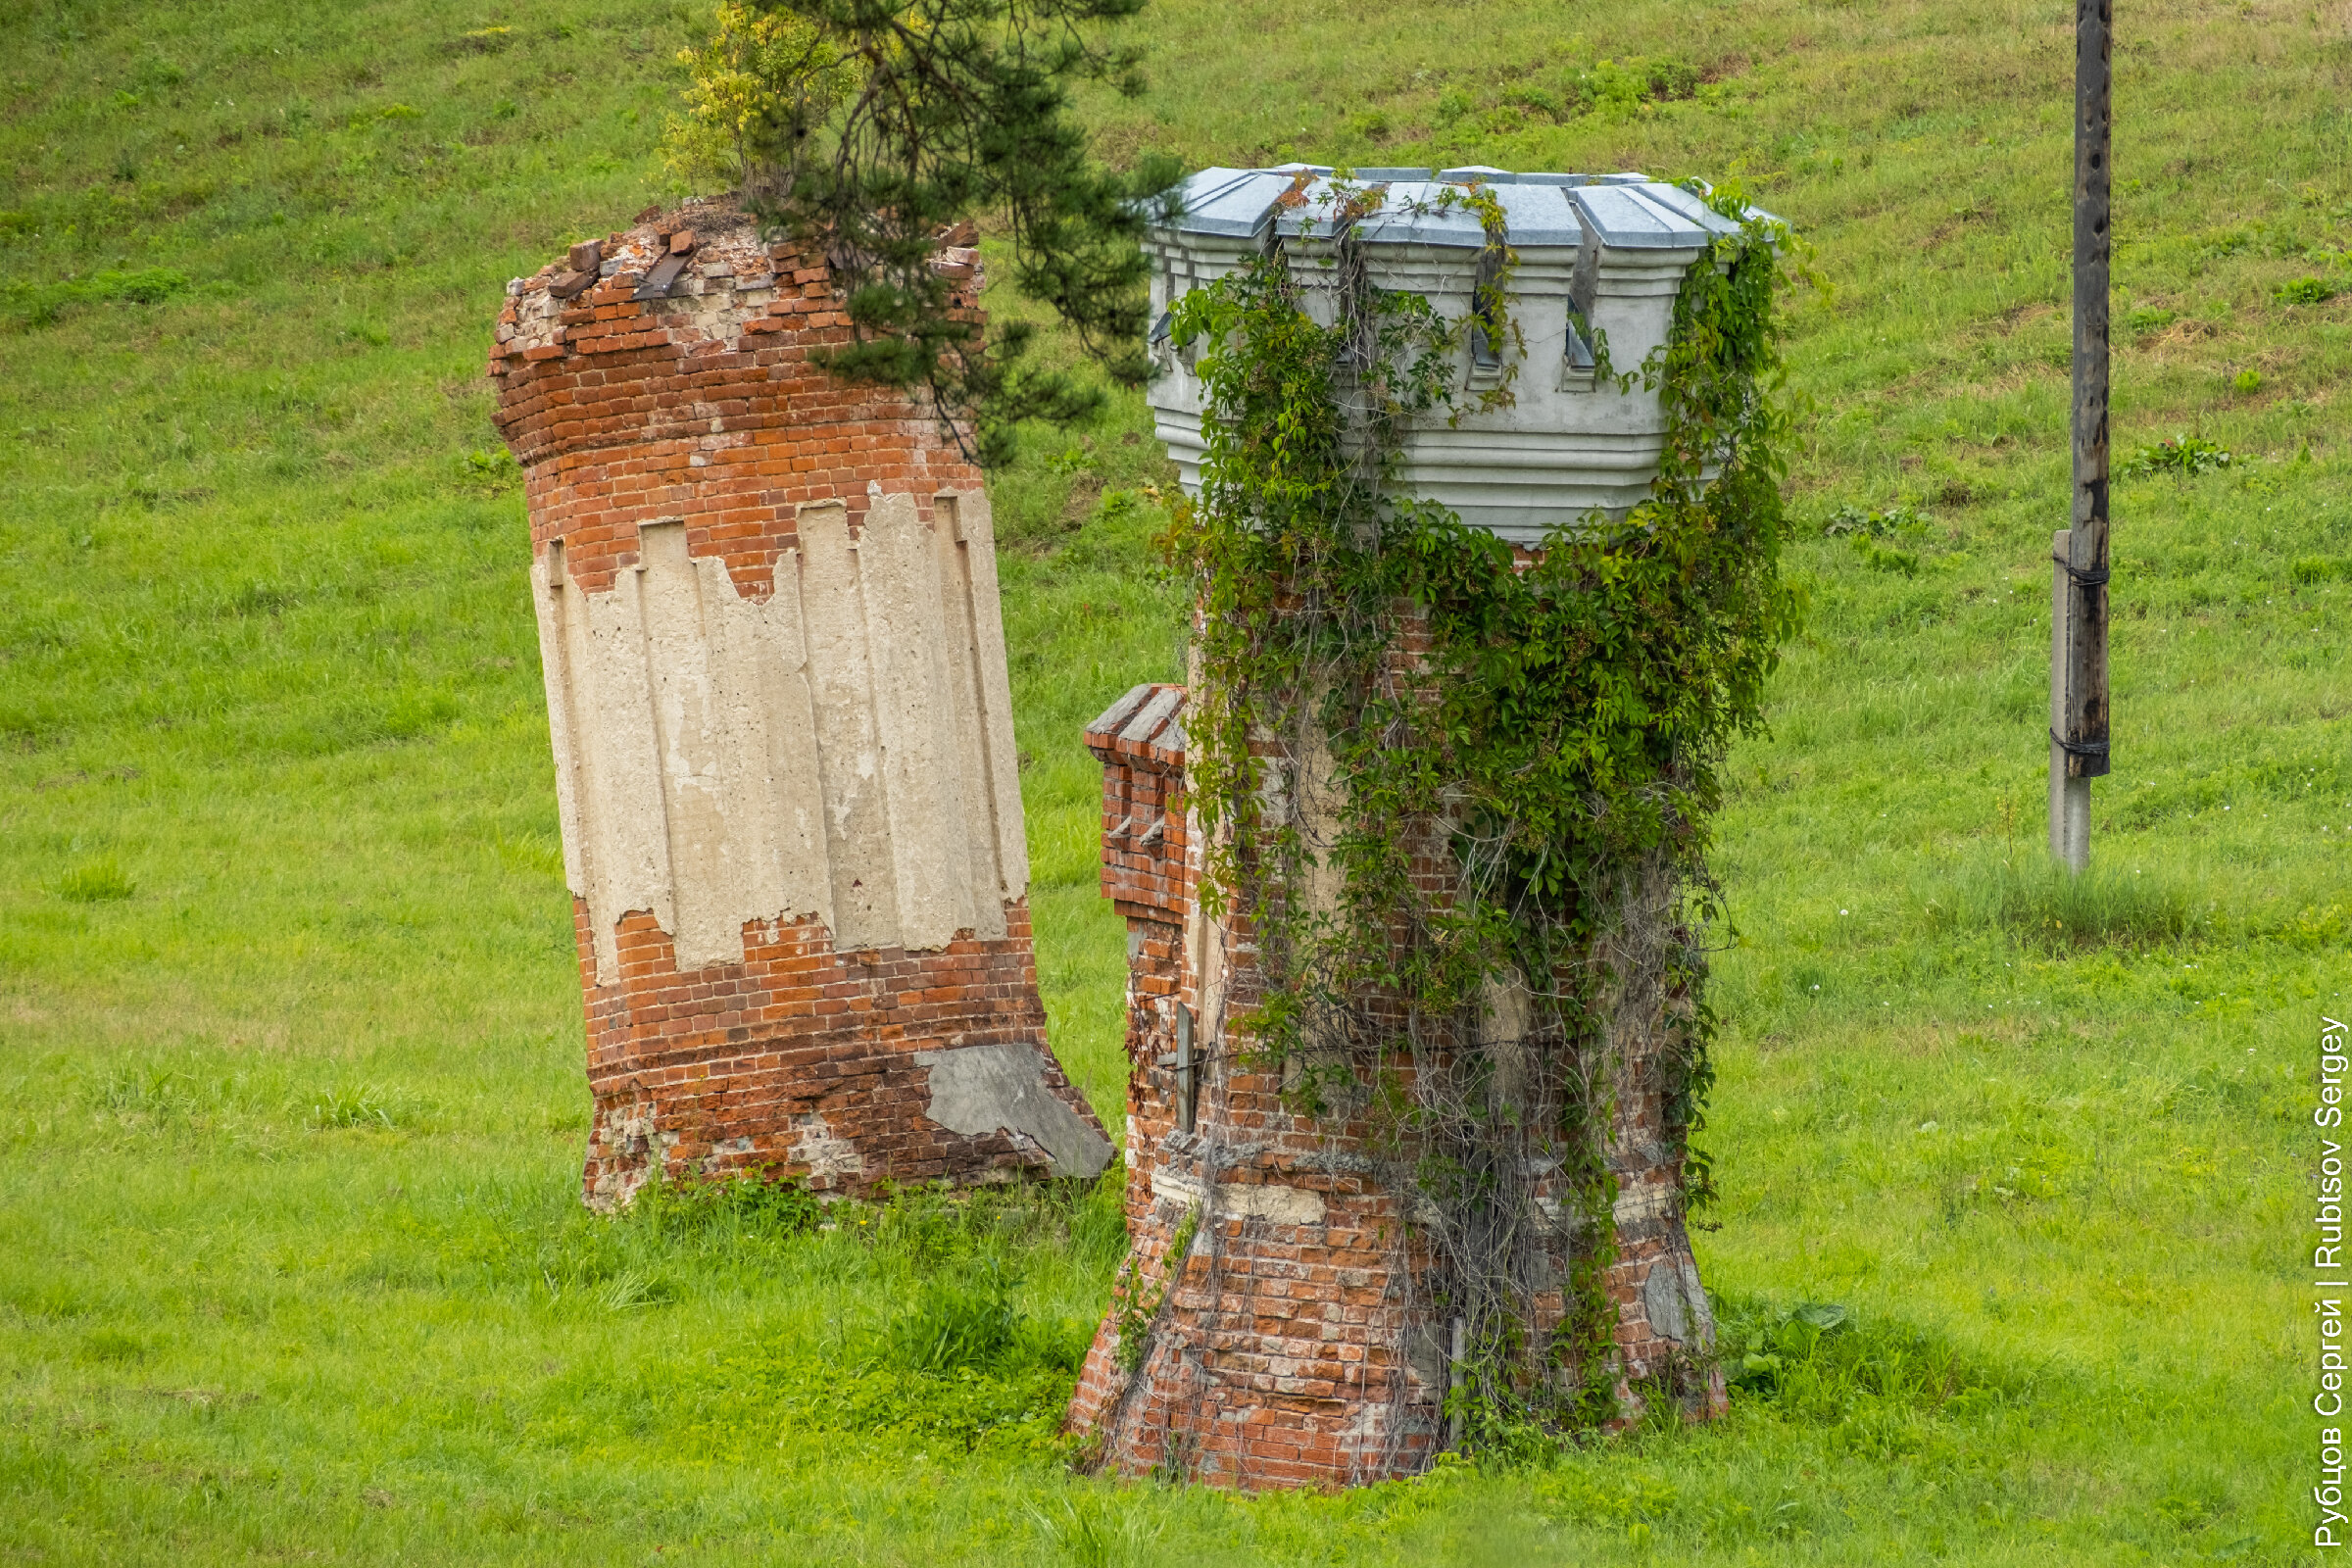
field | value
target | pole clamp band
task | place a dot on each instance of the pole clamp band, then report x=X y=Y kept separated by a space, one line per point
x=2095 y=577
x=2078 y=748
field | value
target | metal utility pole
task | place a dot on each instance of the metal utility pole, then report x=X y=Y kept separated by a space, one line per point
x=2079 y=581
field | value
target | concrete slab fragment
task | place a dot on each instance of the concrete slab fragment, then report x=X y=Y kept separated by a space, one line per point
x=979 y=1090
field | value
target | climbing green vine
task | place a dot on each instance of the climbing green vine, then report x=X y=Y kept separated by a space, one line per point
x=1461 y=796
x=1135 y=1303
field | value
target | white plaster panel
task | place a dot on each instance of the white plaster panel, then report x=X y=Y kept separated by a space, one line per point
x=973 y=527
x=781 y=772
x=897 y=573
x=687 y=734
x=622 y=813
x=737 y=744
x=546 y=607
x=975 y=530
x=971 y=719
x=866 y=891
x=841 y=749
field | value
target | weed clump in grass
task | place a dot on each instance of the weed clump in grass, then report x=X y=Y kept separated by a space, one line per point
x=2043 y=904
x=31 y=304
x=1822 y=1364
x=930 y=1229
x=1875 y=1390
x=350 y=1107
x=958 y=1326
x=112 y=1345
x=1618 y=89
x=1606 y=1495
x=99 y=881
x=1881 y=557
x=737 y=1230
x=697 y=1213
x=151 y=1092
x=1537 y=100
x=1851 y=521
x=749 y=1227
x=2183 y=457
x=962 y=1362
x=1865 y=529
x=1095 y=1533
x=1613 y=89
x=2305 y=291
x=1014 y=1408
x=951 y=1327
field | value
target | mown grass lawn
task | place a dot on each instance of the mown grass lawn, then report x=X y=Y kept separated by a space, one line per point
x=291 y=1258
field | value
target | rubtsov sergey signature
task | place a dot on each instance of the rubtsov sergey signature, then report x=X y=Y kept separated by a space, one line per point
x=2327 y=1268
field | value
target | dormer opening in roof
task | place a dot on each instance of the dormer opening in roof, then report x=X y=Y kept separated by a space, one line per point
x=1579 y=346
x=1489 y=313
x=1595 y=263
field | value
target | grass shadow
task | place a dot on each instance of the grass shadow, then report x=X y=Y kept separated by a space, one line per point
x=2042 y=907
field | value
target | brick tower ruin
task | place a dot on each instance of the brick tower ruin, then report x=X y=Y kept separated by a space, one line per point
x=782 y=727
x=1270 y=1327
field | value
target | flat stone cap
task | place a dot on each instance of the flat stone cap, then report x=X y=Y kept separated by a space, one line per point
x=1628 y=211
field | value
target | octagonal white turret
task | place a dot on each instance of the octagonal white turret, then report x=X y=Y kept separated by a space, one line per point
x=1600 y=258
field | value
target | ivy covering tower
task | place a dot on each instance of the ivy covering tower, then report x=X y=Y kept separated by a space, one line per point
x=1484 y=549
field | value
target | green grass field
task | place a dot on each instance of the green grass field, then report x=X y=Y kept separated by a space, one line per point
x=291 y=1257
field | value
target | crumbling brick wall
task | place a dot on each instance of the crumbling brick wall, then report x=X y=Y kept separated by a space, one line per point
x=779 y=708
x=1286 y=1342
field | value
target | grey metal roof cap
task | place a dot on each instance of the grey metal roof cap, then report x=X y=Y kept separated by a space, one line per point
x=1537 y=214
x=1408 y=211
x=1683 y=204
x=1628 y=211
x=1632 y=217
x=1432 y=212
x=1231 y=202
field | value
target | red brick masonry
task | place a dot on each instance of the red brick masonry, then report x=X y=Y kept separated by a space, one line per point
x=802 y=1059
x=697 y=403
x=1287 y=1344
